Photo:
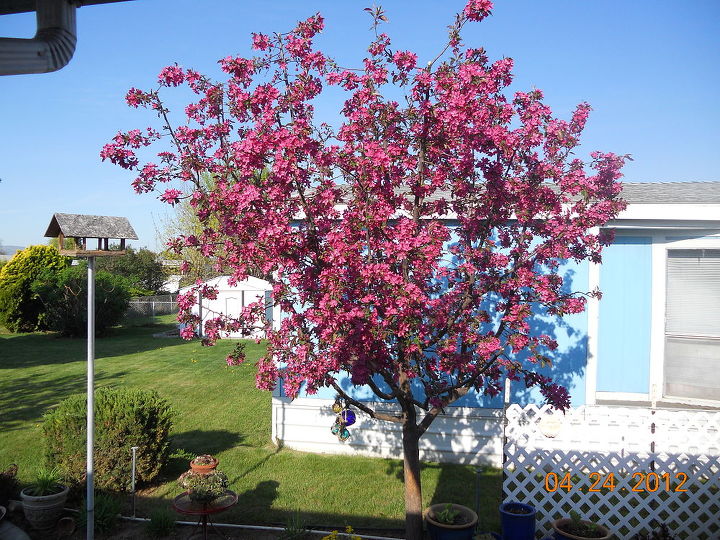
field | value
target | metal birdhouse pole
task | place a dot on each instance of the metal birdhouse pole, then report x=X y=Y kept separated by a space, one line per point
x=90 y=446
x=81 y=228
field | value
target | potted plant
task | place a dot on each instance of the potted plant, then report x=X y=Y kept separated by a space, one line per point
x=517 y=520
x=44 y=499
x=204 y=463
x=661 y=533
x=203 y=487
x=574 y=528
x=450 y=522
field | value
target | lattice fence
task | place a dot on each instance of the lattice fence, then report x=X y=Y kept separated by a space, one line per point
x=648 y=466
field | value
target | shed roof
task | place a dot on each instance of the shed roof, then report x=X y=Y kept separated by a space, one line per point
x=84 y=226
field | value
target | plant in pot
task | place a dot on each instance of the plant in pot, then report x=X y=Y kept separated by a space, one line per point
x=450 y=522
x=204 y=463
x=661 y=533
x=44 y=499
x=203 y=487
x=575 y=528
x=517 y=520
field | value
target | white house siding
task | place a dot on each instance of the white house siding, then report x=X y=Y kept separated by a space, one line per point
x=597 y=365
x=466 y=435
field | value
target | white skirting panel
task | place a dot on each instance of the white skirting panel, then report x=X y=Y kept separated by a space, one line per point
x=464 y=435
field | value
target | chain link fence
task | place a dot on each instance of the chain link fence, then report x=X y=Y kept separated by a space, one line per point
x=151 y=306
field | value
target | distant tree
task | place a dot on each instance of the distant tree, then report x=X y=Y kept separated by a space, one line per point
x=186 y=222
x=198 y=264
x=140 y=267
x=64 y=298
x=20 y=309
x=68 y=243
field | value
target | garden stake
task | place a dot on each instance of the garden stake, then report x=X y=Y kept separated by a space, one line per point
x=134 y=450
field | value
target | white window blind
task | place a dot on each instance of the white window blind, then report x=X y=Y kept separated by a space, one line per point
x=692 y=324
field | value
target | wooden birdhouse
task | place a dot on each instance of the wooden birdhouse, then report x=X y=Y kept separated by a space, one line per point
x=84 y=229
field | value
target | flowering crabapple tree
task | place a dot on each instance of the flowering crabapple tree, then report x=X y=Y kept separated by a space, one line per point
x=410 y=245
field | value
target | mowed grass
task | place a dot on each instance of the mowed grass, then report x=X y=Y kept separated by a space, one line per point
x=219 y=411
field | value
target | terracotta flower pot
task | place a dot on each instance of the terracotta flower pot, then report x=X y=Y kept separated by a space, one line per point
x=204 y=468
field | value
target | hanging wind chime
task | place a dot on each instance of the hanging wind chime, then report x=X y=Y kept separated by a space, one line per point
x=344 y=417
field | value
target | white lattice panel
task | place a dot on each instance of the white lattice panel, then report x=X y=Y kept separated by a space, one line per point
x=633 y=445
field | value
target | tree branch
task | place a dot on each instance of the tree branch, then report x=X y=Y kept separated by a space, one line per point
x=364 y=408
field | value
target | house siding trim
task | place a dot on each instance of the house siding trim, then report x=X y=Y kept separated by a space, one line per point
x=464 y=435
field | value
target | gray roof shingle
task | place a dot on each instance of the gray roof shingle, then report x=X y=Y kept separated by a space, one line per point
x=671 y=192
x=84 y=226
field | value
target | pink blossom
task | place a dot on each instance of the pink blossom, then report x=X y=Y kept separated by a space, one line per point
x=405 y=60
x=135 y=98
x=171 y=196
x=260 y=42
x=171 y=76
x=477 y=10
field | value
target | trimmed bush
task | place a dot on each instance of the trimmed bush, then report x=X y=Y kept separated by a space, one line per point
x=64 y=295
x=123 y=418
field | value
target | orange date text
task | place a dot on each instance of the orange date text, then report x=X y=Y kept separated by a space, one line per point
x=639 y=482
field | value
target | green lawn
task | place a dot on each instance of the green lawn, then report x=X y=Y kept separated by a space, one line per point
x=219 y=412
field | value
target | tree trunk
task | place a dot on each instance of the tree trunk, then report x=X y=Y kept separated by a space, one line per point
x=411 y=469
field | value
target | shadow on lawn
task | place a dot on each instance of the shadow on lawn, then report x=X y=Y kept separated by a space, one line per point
x=27 y=398
x=40 y=349
x=201 y=441
x=255 y=507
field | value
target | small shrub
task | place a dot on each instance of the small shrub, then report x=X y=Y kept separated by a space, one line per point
x=107 y=513
x=64 y=297
x=123 y=418
x=162 y=523
x=20 y=308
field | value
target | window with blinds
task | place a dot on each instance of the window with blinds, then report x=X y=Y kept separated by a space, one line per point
x=692 y=324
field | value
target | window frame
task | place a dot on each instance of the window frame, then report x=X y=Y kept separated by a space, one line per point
x=661 y=245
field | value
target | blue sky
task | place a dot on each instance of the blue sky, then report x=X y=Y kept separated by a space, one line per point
x=649 y=68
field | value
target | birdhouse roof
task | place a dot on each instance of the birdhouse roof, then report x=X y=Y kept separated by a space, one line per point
x=83 y=226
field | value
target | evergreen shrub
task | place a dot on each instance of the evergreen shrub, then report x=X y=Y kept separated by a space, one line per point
x=123 y=418
x=64 y=296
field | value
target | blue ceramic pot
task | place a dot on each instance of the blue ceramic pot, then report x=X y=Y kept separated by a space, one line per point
x=517 y=520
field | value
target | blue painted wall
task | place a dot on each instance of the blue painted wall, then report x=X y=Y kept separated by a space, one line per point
x=624 y=326
x=569 y=360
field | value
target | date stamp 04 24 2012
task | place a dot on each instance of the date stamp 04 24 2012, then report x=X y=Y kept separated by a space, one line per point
x=640 y=482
